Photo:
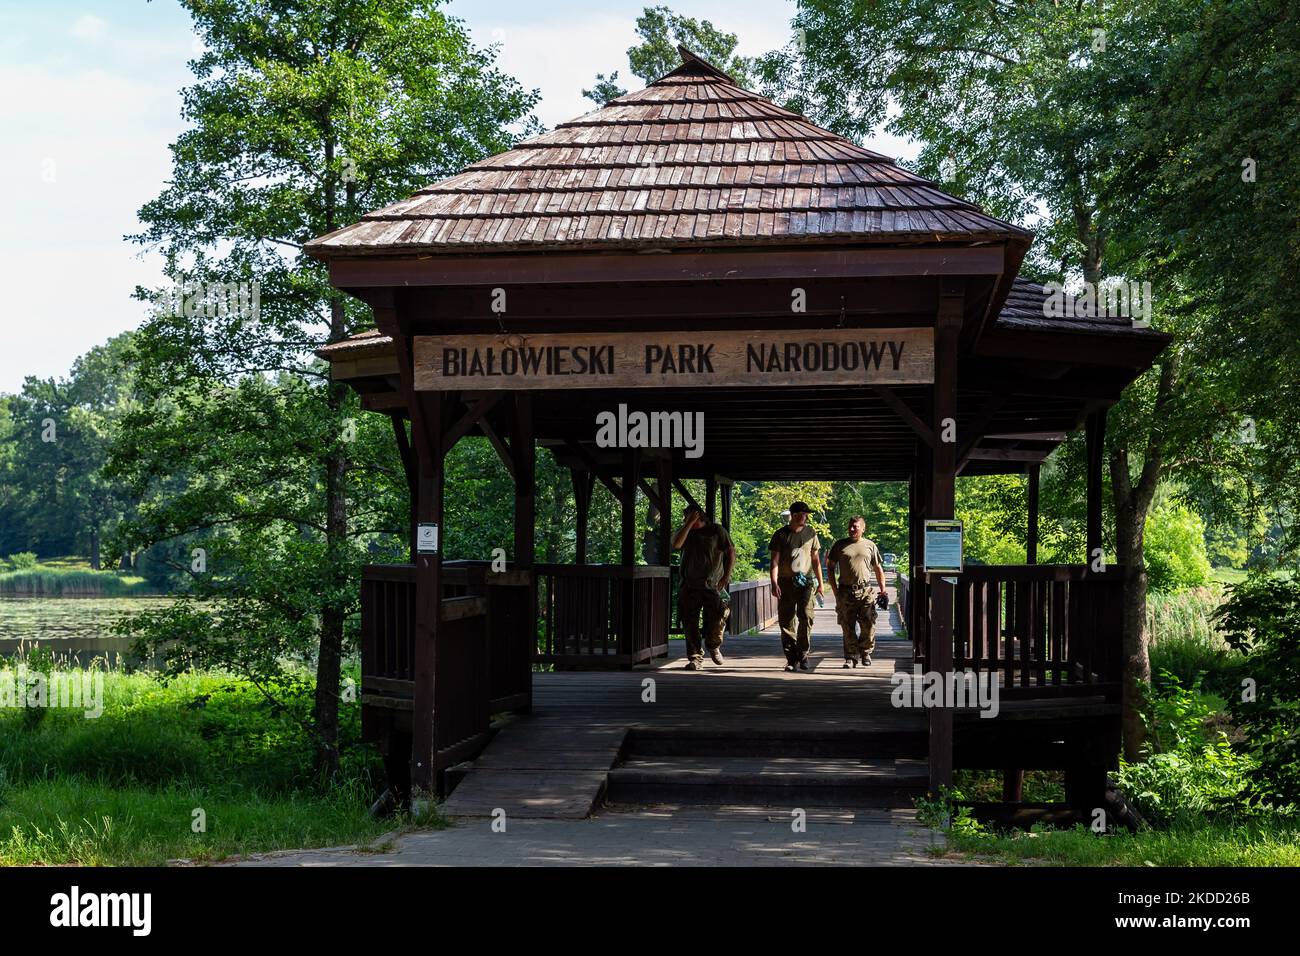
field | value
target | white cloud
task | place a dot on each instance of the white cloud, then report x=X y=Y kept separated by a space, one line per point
x=89 y=28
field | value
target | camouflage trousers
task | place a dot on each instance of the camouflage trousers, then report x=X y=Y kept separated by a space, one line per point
x=690 y=602
x=857 y=614
x=795 y=610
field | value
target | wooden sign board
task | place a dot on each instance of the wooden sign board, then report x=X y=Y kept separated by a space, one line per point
x=675 y=359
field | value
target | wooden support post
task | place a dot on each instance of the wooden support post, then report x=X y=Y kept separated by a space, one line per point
x=1013 y=778
x=710 y=497
x=426 y=419
x=1031 y=532
x=627 y=514
x=411 y=468
x=524 y=451
x=628 y=538
x=725 y=492
x=664 y=483
x=1095 y=433
x=583 y=484
x=942 y=499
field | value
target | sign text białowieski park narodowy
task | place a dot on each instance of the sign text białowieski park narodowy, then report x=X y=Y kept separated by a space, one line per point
x=668 y=359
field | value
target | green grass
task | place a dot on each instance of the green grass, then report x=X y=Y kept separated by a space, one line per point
x=1271 y=841
x=45 y=580
x=122 y=789
x=78 y=821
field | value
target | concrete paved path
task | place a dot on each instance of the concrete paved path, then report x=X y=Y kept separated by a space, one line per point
x=667 y=836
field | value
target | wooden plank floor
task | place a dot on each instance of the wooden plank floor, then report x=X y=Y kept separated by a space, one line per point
x=553 y=762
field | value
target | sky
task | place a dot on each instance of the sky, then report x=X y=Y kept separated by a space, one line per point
x=90 y=101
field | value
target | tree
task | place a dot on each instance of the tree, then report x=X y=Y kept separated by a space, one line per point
x=1017 y=107
x=661 y=32
x=304 y=115
x=55 y=499
x=1211 y=185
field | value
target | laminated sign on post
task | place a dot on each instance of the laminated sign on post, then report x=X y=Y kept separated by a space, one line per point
x=943 y=549
x=426 y=539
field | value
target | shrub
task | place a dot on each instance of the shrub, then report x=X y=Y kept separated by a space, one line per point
x=1191 y=769
x=1174 y=549
x=22 y=561
x=1262 y=620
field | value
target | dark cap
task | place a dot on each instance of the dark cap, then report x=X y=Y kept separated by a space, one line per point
x=800 y=506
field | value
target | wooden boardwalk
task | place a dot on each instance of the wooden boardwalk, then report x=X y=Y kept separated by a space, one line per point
x=755 y=717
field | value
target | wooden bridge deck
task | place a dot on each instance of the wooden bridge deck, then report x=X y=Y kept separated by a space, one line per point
x=555 y=762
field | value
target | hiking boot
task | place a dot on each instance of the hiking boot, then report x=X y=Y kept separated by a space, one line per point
x=866 y=660
x=849 y=662
x=803 y=664
x=789 y=665
x=716 y=656
x=693 y=665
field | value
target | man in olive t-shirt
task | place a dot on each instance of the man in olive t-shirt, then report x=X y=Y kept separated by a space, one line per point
x=796 y=581
x=708 y=557
x=854 y=561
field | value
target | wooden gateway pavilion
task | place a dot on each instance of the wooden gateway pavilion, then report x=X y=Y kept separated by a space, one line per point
x=695 y=248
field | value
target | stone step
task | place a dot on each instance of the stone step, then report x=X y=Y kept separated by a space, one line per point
x=779 y=782
x=891 y=736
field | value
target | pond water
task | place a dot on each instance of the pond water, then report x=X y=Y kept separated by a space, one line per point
x=74 y=628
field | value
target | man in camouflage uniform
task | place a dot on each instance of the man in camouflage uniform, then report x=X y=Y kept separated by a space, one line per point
x=708 y=557
x=796 y=568
x=855 y=560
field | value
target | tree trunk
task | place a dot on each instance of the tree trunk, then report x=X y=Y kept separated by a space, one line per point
x=1130 y=532
x=329 y=661
x=94 y=549
x=332 y=612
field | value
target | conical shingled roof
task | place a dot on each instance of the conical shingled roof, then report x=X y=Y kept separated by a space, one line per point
x=692 y=160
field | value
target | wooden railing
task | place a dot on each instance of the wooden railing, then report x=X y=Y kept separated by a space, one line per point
x=508 y=631
x=753 y=606
x=462 y=710
x=1039 y=625
x=598 y=615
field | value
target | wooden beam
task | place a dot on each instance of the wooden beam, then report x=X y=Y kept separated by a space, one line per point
x=649 y=490
x=923 y=431
x=1031 y=532
x=365 y=272
x=586 y=457
x=985 y=416
x=948 y=324
x=1034 y=455
x=685 y=492
x=503 y=450
x=1095 y=436
x=627 y=524
x=472 y=416
x=583 y=484
x=664 y=481
x=710 y=496
x=411 y=468
x=525 y=462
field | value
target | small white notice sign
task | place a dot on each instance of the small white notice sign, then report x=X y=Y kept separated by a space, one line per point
x=426 y=538
x=943 y=546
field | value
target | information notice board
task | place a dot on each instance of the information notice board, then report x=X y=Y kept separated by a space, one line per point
x=943 y=546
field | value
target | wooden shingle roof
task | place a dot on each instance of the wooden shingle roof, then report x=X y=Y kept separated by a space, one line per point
x=692 y=160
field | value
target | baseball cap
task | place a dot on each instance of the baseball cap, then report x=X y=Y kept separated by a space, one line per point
x=800 y=506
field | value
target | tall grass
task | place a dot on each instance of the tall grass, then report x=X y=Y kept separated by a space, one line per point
x=71 y=582
x=1186 y=641
x=123 y=788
